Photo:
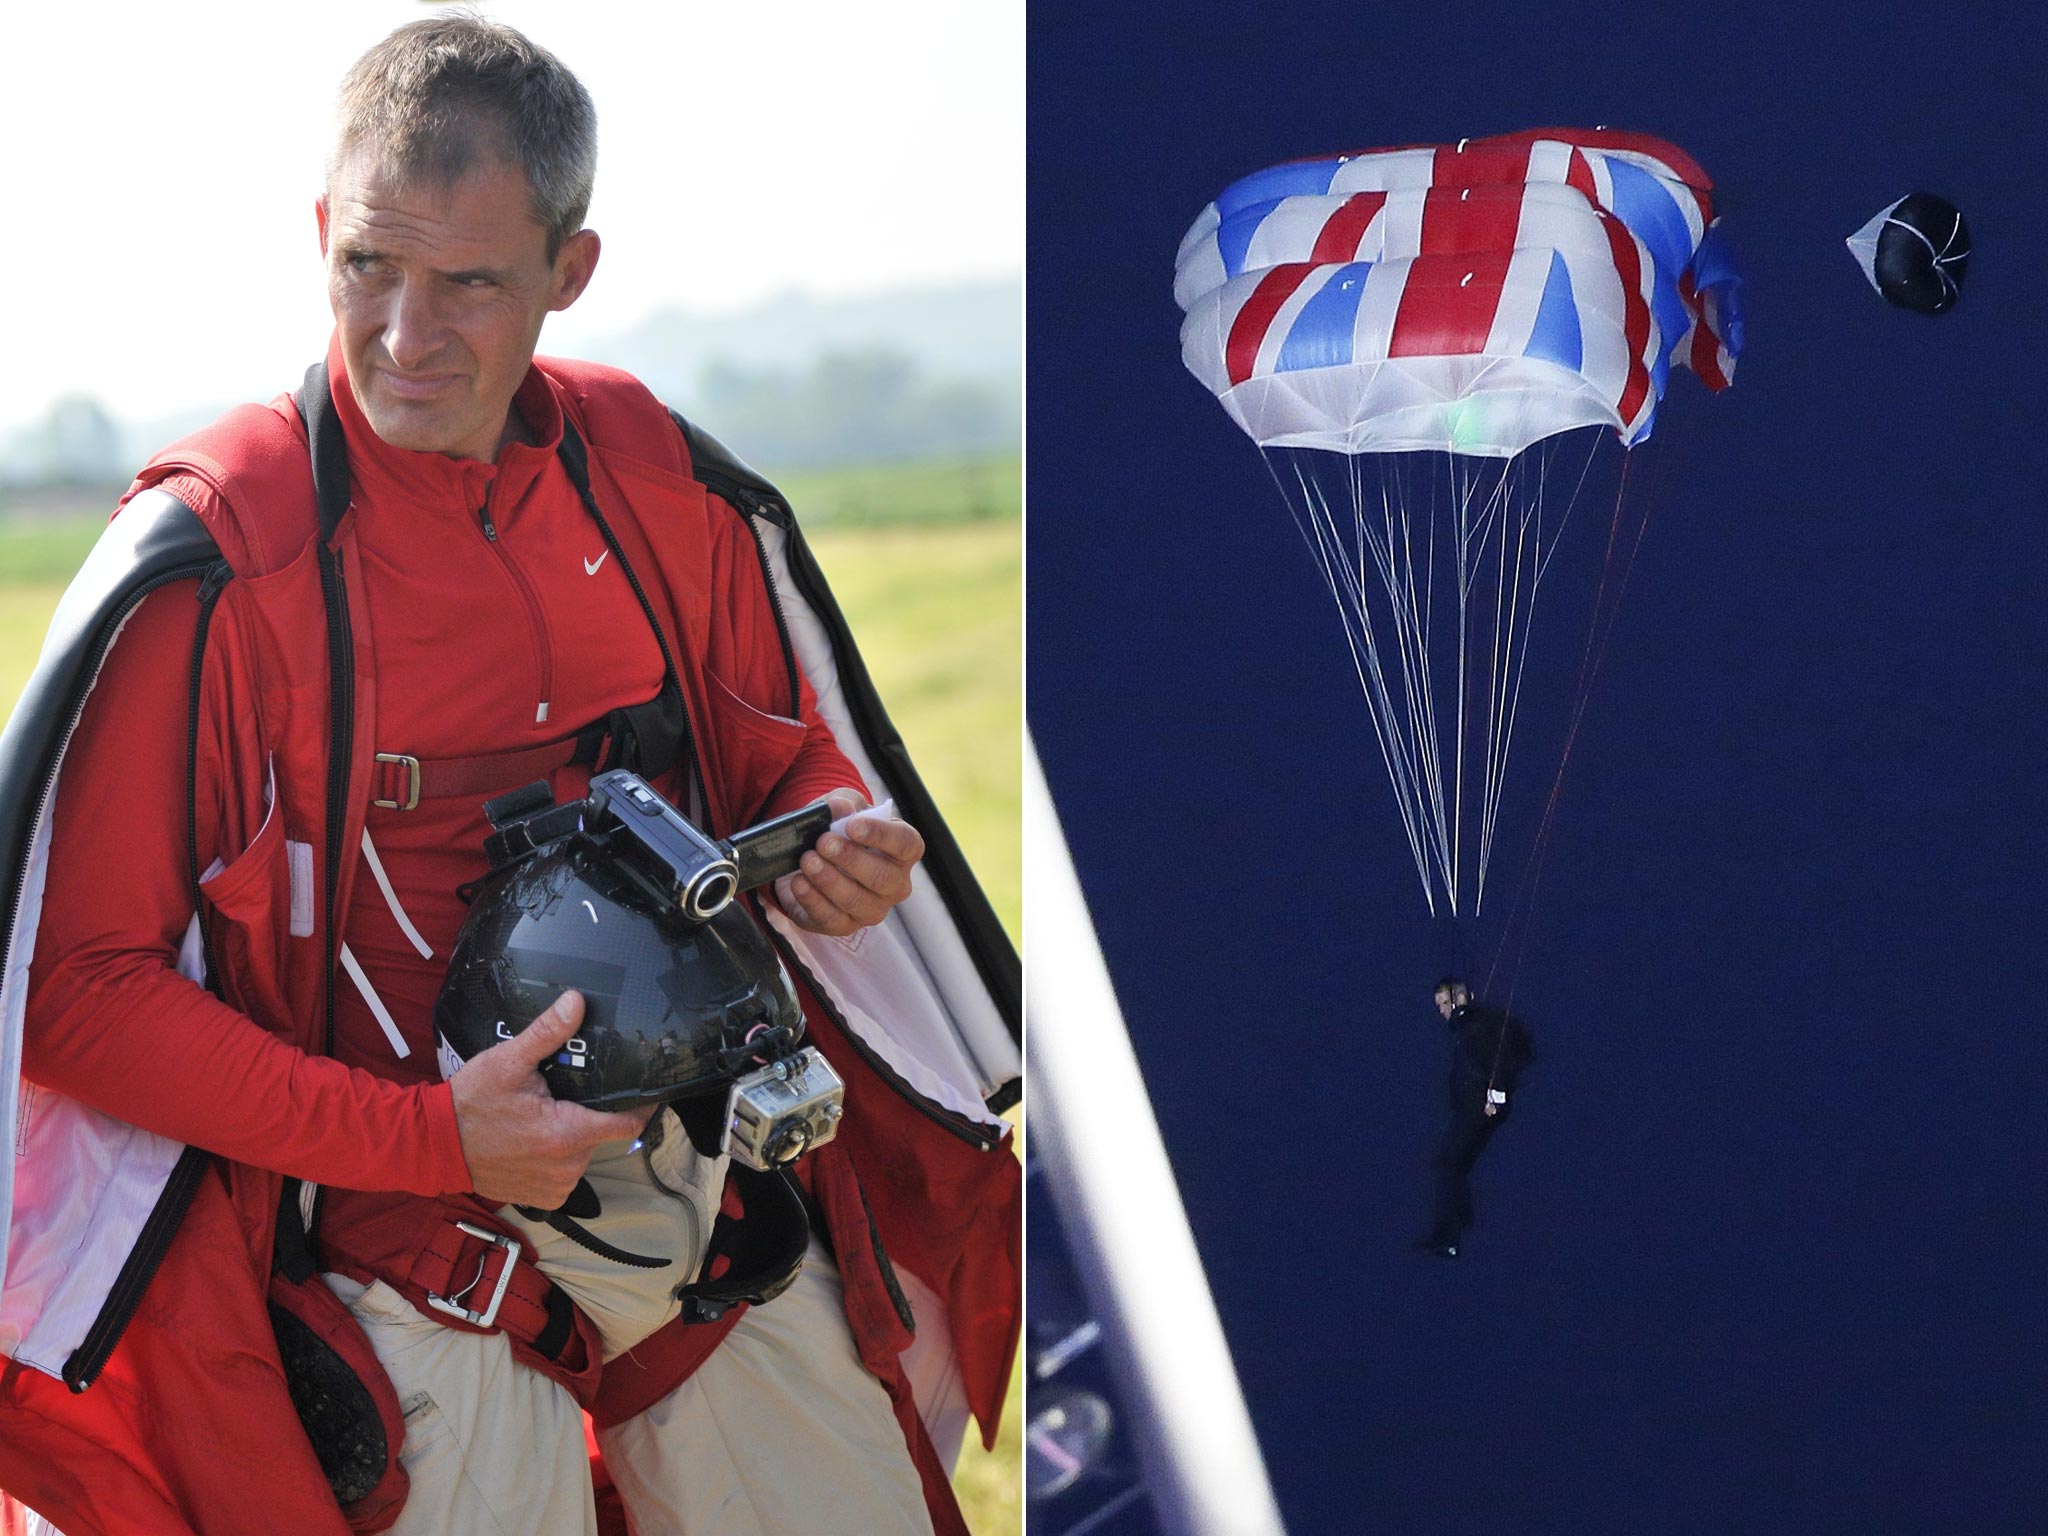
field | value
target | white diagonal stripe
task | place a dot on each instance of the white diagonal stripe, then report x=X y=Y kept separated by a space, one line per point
x=389 y=1025
x=391 y=898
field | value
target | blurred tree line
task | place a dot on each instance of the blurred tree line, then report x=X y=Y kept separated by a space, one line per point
x=76 y=443
x=868 y=406
x=854 y=406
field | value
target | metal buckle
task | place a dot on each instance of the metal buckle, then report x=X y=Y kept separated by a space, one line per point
x=453 y=1306
x=412 y=770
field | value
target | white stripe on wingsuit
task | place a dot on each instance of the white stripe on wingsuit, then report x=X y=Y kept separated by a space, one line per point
x=389 y=1025
x=391 y=898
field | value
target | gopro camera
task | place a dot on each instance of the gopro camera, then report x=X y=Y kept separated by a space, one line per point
x=775 y=1115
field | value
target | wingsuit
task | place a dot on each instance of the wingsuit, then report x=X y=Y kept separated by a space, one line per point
x=142 y=1390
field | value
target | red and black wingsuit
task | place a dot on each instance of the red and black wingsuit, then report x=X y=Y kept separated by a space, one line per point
x=142 y=1390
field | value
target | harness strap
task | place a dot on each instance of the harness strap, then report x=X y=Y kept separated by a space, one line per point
x=403 y=780
x=647 y=738
x=493 y=1278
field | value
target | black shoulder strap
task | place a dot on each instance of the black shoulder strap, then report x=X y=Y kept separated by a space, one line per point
x=717 y=468
x=328 y=449
x=654 y=737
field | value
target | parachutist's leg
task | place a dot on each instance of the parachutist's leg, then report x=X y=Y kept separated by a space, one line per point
x=1454 y=1159
x=1483 y=1128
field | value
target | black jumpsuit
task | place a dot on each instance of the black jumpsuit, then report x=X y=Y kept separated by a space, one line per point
x=1492 y=1050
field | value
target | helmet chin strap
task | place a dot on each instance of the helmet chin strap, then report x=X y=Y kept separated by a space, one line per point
x=583 y=1201
x=703 y=1119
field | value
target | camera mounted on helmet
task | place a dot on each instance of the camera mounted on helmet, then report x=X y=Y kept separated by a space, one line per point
x=619 y=897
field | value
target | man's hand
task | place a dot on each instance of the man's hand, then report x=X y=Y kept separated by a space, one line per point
x=850 y=882
x=524 y=1146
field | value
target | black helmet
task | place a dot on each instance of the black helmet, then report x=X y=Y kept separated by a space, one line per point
x=685 y=1002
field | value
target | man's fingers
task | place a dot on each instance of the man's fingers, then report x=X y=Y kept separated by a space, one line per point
x=870 y=867
x=808 y=906
x=539 y=1040
x=846 y=802
x=593 y=1127
x=892 y=838
x=841 y=889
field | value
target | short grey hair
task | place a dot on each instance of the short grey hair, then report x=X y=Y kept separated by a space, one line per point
x=440 y=96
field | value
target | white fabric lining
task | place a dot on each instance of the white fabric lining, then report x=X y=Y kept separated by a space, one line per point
x=944 y=1035
x=58 y=1261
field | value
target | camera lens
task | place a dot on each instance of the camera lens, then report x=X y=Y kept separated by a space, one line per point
x=789 y=1143
x=711 y=892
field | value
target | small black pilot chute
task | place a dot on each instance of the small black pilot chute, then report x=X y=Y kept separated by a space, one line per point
x=1915 y=253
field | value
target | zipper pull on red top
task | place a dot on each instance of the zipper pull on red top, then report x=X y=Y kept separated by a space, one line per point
x=483 y=512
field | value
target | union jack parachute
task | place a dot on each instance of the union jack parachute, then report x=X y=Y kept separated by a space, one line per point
x=1442 y=351
x=1474 y=297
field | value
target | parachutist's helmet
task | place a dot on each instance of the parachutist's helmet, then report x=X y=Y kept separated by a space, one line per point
x=683 y=997
x=670 y=1007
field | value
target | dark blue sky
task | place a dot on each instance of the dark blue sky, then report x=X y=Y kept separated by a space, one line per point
x=1763 y=1250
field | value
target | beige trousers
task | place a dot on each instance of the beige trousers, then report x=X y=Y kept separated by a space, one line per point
x=492 y=1448
x=781 y=1431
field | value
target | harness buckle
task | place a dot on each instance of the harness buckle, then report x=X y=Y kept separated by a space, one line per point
x=488 y=1317
x=412 y=780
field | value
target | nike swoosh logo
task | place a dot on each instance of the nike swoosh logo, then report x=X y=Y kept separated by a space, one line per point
x=590 y=566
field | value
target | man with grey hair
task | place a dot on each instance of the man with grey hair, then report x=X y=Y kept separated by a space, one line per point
x=318 y=636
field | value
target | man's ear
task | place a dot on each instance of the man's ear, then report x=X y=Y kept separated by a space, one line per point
x=574 y=264
x=320 y=217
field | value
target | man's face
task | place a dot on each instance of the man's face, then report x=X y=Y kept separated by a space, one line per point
x=1450 y=999
x=439 y=294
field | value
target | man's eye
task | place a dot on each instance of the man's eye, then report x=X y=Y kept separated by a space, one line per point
x=360 y=262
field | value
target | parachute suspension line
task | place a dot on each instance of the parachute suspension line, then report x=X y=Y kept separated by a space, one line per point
x=1355 y=612
x=1598 y=636
x=1499 y=722
x=1506 y=607
x=1423 y=776
x=1415 y=611
x=1420 y=749
x=1404 y=616
x=1592 y=453
x=1533 y=516
x=1311 y=516
x=1446 y=808
x=1461 y=503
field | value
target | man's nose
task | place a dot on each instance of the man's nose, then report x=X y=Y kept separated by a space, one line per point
x=412 y=328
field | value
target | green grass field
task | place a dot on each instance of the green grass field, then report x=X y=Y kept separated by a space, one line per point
x=942 y=491
x=935 y=598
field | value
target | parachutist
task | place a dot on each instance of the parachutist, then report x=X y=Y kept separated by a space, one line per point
x=1491 y=1052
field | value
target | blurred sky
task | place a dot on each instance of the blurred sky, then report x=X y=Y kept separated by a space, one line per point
x=165 y=160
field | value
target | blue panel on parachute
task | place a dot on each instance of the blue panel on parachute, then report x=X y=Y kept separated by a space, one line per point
x=1321 y=334
x=1297 y=178
x=1234 y=235
x=1555 y=336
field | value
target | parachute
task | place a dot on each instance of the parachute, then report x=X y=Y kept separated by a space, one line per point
x=1916 y=252
x=1435 y=348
